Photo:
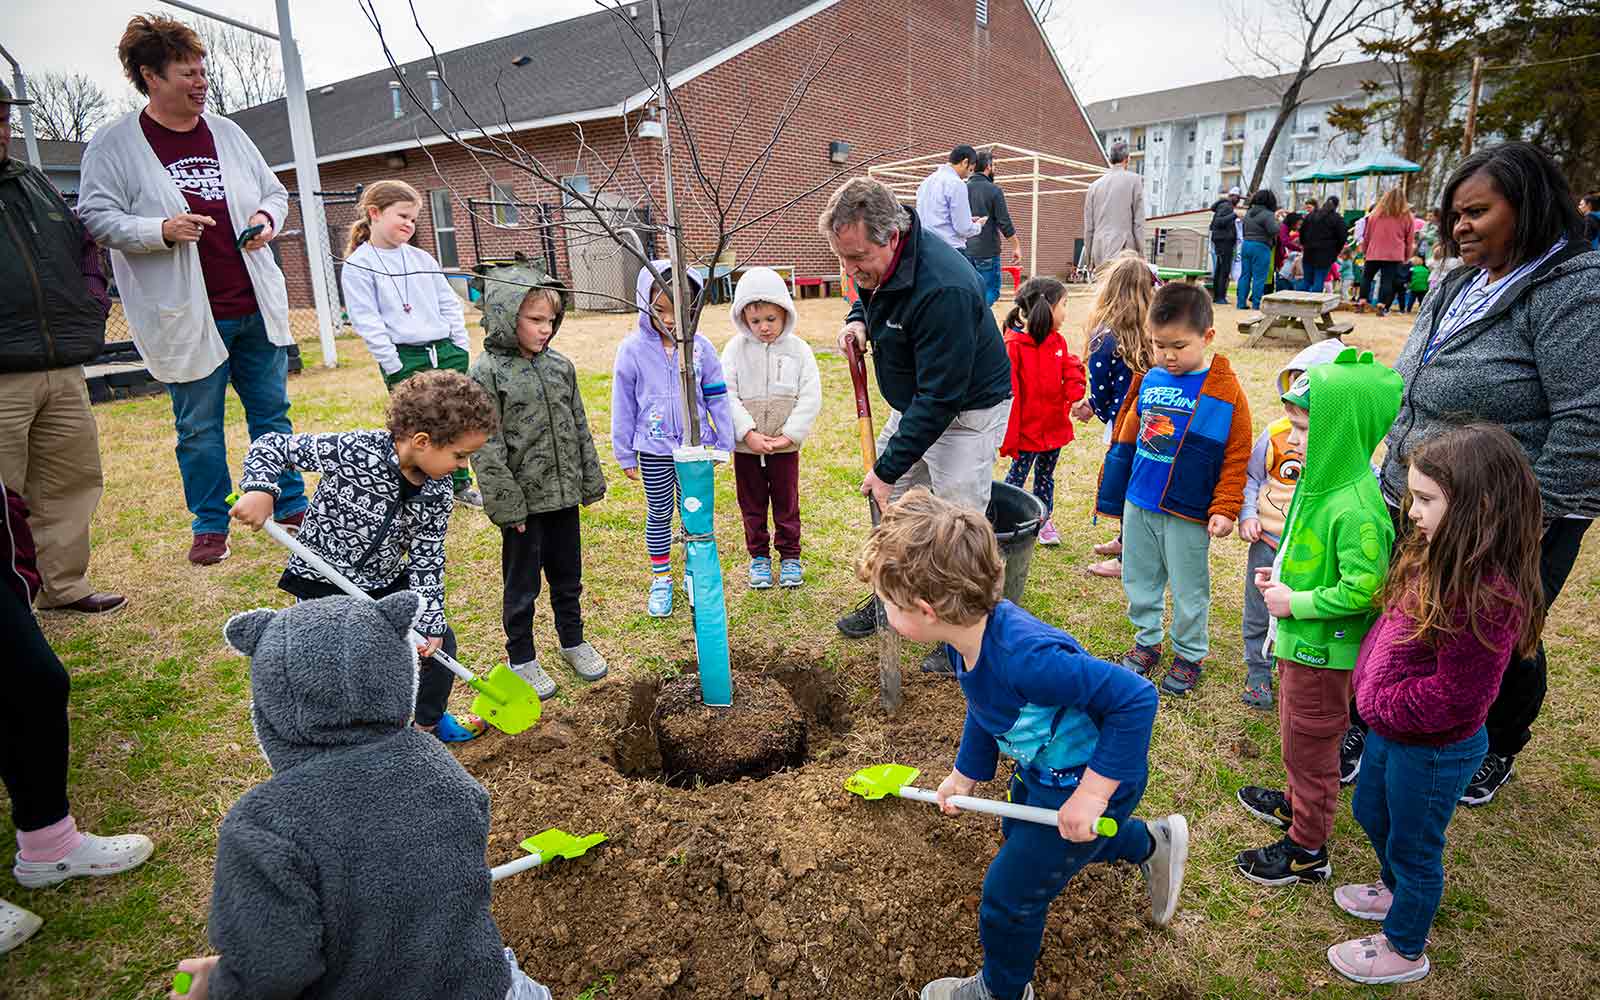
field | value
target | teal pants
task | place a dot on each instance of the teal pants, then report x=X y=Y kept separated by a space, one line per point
x=1158 y=551
x=426 y=357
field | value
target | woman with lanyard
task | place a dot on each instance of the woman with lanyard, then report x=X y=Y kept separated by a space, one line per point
x=1511 y=338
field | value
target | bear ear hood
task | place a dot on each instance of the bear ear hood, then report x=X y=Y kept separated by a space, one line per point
x=328 y=674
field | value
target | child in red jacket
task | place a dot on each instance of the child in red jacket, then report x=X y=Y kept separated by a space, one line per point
x=1046 y=379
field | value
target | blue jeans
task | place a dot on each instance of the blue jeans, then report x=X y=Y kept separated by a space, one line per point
x=1404 y=800
x=988 y=269
x=1033 y=866
x=1255 y=264
x=1314 y=279
x=259 y=370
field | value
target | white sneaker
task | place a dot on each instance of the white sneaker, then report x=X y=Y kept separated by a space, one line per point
x=1163 y=870
x=542 y=683
x=16 y=925
x=95 y=856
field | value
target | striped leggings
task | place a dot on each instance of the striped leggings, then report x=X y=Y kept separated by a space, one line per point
x=660 y=478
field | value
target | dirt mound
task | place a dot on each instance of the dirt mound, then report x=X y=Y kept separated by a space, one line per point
x=761 y=733
x=787 y=887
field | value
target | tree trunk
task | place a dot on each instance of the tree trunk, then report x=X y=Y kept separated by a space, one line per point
x=1286 y=107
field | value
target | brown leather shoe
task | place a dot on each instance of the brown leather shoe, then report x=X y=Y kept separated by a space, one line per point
x=94 y=604
x=209 y=548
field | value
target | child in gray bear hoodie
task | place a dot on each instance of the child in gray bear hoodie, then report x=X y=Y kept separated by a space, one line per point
x=357 y=869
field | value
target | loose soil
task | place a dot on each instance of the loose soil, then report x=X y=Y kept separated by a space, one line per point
x=784 y=887
x=760 y=733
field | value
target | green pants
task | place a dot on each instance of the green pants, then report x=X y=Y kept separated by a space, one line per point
x=442 y=354
x=1159 y=550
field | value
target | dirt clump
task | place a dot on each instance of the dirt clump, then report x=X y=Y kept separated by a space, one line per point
x=787 y=887
x=761 y=733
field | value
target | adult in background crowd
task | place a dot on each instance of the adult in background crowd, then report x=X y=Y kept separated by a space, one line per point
x=1224 y=242
x=942 y=201
x=53 y=307
x=1510 y=337
x=1113 y=211
x=988 y=202
x=1322 y=236
x=34 y=744
x=1589 y=208
x=1388 y=241
x=1255 y=255
x=937 y=353
x=187 y=206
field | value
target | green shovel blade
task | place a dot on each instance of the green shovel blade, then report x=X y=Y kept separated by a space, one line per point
x=505 y=701
x=554 y=843
x=880 y=780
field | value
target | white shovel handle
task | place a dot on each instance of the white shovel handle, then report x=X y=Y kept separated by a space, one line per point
x=336 y=578
x=1030 y=814
x=510 y=868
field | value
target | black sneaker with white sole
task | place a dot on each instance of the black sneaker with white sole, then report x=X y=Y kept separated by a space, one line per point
x=1284 y=863
x=1355 y=741
x=1268 y=805
x=1491 y=776
x=862 y=620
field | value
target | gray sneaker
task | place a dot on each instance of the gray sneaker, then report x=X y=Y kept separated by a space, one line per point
x=468 y=496
x=971 y=988
x=542 y=683
x=1163 y=870
x=585 y=661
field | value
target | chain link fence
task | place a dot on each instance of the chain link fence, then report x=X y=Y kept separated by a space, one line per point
x=571 y=242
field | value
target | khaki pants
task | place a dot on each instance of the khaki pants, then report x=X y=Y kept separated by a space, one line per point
x=50 y=453
x=959 y=465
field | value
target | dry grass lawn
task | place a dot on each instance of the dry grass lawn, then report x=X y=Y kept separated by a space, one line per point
x=161 y=741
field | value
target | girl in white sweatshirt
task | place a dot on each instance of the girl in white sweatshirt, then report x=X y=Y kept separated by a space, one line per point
x=775 y=393
x=398 y=299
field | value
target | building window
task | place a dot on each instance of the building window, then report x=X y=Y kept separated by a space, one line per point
x=505 y=209
x=1191 y=161
x=1191 y=135
x=1208 y=157
x=573 y=184
x=1353 y=138
x=444 y=228
x=983 y=13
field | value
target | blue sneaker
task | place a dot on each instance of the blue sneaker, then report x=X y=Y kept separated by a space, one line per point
x=660 y=605
x=790 y=574
x=760 y=573
x=453 y=730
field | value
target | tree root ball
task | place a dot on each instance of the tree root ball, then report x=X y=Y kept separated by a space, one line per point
x=763 y=732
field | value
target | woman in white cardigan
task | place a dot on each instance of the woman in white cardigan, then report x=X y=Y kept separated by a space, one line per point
x=171 y=191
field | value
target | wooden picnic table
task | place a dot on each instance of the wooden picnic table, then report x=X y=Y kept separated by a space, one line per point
x=1309 y=312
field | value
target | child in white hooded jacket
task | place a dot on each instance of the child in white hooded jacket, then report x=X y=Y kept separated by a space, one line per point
x=775 y=393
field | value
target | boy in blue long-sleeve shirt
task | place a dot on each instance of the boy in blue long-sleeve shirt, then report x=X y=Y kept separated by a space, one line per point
x=1077 y=728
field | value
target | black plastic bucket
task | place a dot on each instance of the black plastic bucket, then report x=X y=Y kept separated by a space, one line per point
x=1016 y=516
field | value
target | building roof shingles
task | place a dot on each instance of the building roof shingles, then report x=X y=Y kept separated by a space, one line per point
x=1239 y=93
x=580 y=64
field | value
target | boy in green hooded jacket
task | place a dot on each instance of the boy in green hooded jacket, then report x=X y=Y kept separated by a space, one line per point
x=1320 y=590
x=537 y=469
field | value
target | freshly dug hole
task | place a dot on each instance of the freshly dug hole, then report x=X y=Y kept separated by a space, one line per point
x=763 y=731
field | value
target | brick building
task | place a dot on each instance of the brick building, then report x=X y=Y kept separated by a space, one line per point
x=905 y=78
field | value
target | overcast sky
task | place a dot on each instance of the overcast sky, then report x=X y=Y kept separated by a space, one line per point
x=1140 y=45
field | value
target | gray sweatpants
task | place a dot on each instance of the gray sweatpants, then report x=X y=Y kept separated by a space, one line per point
x=1161 y=551
x=1257 y=664
x=959 y=465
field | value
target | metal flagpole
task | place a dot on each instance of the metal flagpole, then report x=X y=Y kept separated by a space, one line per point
x=19 y=90
x=307 y=178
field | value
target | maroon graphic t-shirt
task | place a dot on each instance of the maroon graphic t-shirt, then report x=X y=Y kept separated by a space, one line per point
x=191 y=161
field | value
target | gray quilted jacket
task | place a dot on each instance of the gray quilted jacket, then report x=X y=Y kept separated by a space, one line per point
x=1528 y=365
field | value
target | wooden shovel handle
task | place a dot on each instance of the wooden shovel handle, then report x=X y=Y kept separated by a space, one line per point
x=858 y=379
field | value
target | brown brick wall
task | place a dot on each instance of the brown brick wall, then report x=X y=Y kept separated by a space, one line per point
x=909 y=77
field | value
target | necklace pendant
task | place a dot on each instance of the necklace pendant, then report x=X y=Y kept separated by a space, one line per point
x=406 y=306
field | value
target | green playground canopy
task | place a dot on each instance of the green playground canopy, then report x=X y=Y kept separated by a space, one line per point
x=1377 y=165
x=1322 y=170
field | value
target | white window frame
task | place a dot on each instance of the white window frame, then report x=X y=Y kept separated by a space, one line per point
x=503 y=215
x=437 y=198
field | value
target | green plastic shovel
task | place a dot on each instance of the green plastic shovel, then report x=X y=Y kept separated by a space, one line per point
x=542 y=847
x=895 y=779
x=181 y=983
x=505 y=701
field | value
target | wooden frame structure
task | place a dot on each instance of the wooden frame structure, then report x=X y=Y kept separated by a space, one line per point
x=1017 y=171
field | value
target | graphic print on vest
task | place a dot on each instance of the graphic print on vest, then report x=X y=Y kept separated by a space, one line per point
x=199 y=176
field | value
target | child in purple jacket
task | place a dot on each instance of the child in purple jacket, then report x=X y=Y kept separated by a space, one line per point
x=647 y=419
x=1463 y=596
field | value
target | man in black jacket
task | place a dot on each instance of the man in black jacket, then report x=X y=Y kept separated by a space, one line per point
x=1224 y=242
x=939 y=359
x=989 y=202
x=53 y=309
x=1322 y=236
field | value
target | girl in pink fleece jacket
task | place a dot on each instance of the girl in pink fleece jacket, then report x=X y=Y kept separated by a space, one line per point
x=1463 y=596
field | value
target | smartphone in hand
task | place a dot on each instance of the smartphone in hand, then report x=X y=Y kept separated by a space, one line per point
x=248 y=235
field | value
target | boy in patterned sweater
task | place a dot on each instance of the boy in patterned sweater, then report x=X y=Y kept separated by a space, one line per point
x=381 y=510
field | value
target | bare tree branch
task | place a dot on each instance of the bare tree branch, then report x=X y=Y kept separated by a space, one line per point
x=243 y=69
x=68 y=106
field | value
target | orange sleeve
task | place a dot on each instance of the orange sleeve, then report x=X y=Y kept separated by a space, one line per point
x=1229 y=496
x=1126 y=426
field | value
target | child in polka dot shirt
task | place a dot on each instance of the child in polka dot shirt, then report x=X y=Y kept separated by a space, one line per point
x=1118 y=346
